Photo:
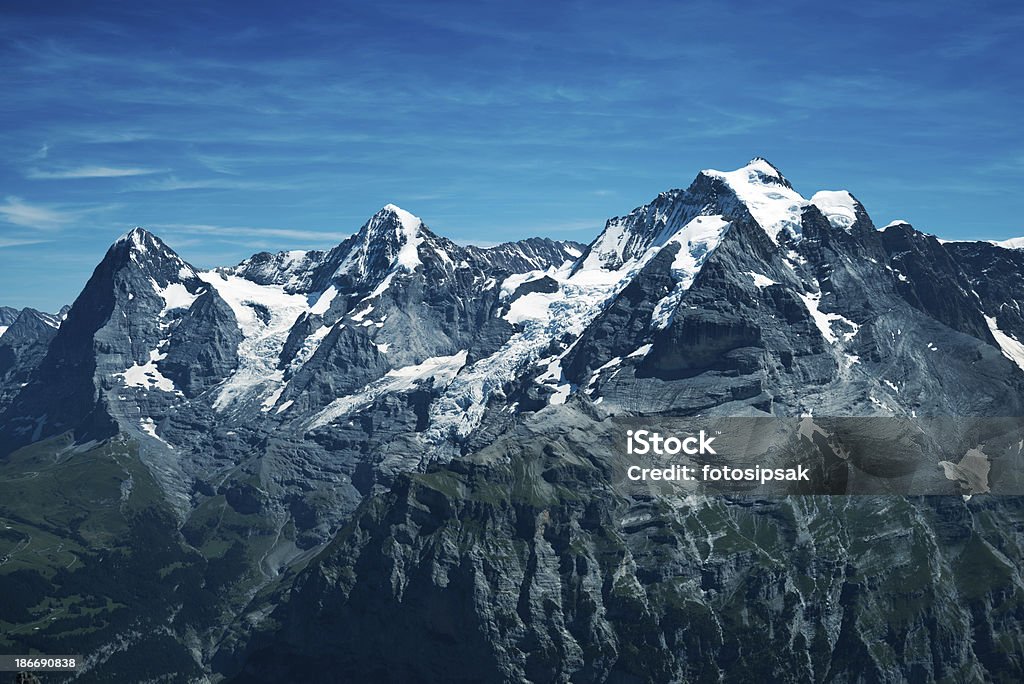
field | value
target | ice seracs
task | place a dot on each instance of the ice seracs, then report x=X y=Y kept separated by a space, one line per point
x=265 y=315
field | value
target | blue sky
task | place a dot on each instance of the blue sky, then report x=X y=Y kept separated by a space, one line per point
x=230 y=128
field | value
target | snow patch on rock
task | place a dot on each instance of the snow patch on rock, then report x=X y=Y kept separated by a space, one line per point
x=175 y=296
x=1011 y=348
x=147 y=376
x=761 y=280
x=438 y=371
x=824 y=321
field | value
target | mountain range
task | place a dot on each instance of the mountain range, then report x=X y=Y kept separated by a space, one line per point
x=383 y=460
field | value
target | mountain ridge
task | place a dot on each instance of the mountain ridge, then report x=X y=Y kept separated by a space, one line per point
x=308 y=418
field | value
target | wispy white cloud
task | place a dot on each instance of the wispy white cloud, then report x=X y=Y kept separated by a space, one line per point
x=249 y=232
x=15 y=242
x=20 y=213
x=219 y=164
x=174 y=183
x=90 y=172
x=592 y=226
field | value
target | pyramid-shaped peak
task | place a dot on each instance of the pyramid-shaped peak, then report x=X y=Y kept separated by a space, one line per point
x=139 y=248
x=394 y=229
x=390 y=239
x=139 y=242
x=390 y=217
x=402 y=213
x=137 y=237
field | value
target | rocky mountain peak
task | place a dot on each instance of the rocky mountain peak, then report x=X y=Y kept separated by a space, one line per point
x=141 y=249
x=35 y=320
x=141 y=245
x=392 y=226
x=429 y=408
x=757 y=190
x=8 y=315
x=389 y=239
x=137 y=236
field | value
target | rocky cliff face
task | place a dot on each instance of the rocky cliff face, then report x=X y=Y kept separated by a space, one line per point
x=525 y=564
x=393 y=451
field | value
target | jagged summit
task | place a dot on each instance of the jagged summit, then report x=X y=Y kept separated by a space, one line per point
x=399 y=230
x=138 y=242
x=143 y=249
x=389 y=240
x=698 y=216
x=139 y=239
x=426 y=411
x=392 y=217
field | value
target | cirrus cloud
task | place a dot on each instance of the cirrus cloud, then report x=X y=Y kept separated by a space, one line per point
x=16 y=211
x=90 y=172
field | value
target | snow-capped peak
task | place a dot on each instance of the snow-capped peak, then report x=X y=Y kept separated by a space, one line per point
x=766 y=168
x=389 y=240
x=838 y=206
x=759 y=187
x=766 y=193
x=409 y=222
x=155 y=262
